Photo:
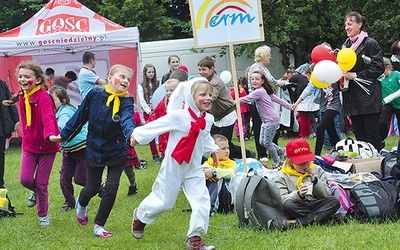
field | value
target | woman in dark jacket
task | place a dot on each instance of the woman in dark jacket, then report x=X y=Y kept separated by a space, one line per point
x=9 y=121
x=363 y=105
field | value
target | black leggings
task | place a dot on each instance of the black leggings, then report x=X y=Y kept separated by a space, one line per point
x=385 y=118
x=327 y=123
x=365 y=128
x=94 y=178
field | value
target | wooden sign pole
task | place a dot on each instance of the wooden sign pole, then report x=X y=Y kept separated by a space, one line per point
x=236 y=88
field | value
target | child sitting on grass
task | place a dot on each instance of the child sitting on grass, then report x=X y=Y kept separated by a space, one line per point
x=217 y=178
x=301 y=205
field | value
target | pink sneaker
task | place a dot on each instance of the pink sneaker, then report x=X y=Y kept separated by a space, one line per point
x=99 y=231
x=83 y=221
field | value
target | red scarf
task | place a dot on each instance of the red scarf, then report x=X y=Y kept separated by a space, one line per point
x=184 y=149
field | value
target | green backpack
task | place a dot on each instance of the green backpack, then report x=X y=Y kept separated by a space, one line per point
x=259 y=203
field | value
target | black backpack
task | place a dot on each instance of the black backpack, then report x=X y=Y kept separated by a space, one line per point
x=259 y=203
x=390 y=167
x=8 y=212
x=375 y=200
x=387 y=163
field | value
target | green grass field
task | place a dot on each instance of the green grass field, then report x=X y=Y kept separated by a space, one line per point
x=169 y=231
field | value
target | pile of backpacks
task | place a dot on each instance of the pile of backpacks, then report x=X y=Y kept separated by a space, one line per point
x=259 y=204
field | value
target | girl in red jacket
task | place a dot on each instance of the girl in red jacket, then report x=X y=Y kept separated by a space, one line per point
x=161 y=110
x=38 y=125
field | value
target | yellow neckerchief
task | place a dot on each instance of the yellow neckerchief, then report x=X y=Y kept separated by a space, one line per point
x=28 y=105
x=115 y=97
x=226 y=163
x=287 y=169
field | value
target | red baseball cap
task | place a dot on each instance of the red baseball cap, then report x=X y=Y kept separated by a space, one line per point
x=298 y=151
x=184 y=68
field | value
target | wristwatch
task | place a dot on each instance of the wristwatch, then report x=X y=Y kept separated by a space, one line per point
x=214 y=172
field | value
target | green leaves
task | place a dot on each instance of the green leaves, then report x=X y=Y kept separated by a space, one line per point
x=17 y=12
x=295 y=26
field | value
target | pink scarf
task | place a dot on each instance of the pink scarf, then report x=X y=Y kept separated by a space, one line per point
x=184 y=149
x=357 y=40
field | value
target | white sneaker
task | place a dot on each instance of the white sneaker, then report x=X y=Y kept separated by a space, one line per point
x=32 y=199
x=264 y=159
x=44 y=221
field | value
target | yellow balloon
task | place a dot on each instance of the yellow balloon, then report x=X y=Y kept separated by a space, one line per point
x=317 y=83
x=346 y=59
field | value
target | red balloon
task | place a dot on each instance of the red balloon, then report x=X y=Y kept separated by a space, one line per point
x=321 y=52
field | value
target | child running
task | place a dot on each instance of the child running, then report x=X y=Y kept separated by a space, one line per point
x=264 y=97
x=39 y=126
x=189 y=138
x=161 y=110
x=109 y=114
x=74 y=152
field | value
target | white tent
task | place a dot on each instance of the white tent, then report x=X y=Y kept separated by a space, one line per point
x=60 y=33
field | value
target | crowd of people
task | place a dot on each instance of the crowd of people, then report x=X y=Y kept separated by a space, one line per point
x=193 y=125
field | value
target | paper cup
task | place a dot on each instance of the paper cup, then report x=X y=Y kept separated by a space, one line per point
x=346 y=83
x=310 y=187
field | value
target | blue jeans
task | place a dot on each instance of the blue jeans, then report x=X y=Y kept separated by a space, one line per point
x=266 y=136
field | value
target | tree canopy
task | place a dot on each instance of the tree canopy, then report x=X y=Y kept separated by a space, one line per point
x=294 y=26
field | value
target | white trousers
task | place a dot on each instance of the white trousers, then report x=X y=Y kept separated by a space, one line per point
x=171 y=178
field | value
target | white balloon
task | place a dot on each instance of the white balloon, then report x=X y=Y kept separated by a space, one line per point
x=226 y=76
x=327 y=71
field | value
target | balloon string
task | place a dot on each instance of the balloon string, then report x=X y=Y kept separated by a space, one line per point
x=366 y=82
x=362 y=87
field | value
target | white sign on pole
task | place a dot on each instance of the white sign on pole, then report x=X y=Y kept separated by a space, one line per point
x=217 y=22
